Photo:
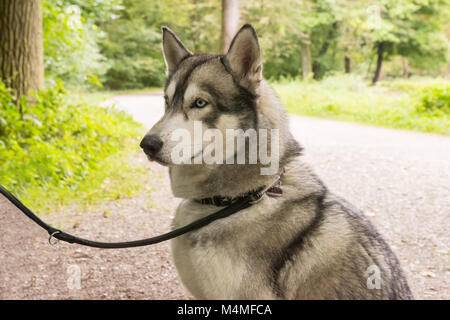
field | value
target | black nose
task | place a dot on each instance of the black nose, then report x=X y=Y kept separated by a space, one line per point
x=151 y=144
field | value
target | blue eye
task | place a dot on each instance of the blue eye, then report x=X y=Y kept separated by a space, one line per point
x=200 y=103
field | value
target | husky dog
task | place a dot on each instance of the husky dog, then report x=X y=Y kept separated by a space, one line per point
x=306 y=243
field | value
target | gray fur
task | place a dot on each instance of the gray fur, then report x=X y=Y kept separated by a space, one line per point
x=307 y=244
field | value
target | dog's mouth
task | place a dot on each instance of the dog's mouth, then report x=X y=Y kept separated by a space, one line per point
x=166 y=163
x=158 y=160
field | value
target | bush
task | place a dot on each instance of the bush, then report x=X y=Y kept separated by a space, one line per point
x=55 y=143
x=431 y=96
x=434 y=100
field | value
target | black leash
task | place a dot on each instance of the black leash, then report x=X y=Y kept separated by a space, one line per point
x=240 y=204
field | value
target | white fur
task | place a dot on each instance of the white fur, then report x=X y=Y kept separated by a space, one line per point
x=170 y=91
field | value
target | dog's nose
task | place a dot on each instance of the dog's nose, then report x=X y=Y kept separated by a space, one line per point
x=151 y=144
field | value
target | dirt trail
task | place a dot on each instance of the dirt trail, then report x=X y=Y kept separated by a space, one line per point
x=400 y=179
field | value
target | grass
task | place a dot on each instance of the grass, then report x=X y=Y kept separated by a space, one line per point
x=116 y=178
x=348 y=98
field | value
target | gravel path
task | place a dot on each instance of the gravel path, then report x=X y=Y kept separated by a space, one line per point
x=400 y=179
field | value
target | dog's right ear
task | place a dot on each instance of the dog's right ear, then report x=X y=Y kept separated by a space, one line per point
x=244 y=58
x=173 y=49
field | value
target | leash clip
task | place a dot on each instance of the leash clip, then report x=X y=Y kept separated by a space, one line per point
x=54 y=242
x=257 y=197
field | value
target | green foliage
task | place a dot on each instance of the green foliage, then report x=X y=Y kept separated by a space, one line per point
x=132 y=40
x=71 y=51
x=54 y=143
x=135 y=55
x=431 y=96
x=348 y=98
x=413 y=29
x=434 y=100
x=116 y=177
x=281 y=26
x=118 y=42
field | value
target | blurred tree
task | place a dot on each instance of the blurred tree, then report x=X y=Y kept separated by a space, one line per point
x=295 y=35
x=411 y=28
x=118 y=42
x=349 y=18
x=405 y=66
x=447 y=33
x=201 y=28
x=230 y=22
x=305 y=42
x=132 y=41
x=313 y=15
x=132 y=45
x=21 y=51
x=71 y=39
x=326 y=39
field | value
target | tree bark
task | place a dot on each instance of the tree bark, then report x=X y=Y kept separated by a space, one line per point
x=405 y=65
x=316 y=65
x=21 y=47
x=347 y=64
x=380 y=52
x=306 y=56
x=230 y=22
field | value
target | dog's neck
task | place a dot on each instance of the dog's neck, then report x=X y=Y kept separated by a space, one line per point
x=196 y=182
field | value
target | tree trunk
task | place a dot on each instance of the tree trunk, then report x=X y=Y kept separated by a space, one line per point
x=316 y=65
x=230 y=22
x=405 y=65
x=306 y=56
x=347 y=64
x=21 y=48
x=380 y=51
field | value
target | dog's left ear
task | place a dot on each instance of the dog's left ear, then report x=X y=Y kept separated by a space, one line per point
x=244 y=58
x=174 y=50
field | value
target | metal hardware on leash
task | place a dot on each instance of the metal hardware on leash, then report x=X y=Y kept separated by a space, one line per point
x=54 y=242
x=257 y=198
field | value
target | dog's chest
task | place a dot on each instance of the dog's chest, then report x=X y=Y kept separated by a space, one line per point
x=207 y=270
x=212 y=262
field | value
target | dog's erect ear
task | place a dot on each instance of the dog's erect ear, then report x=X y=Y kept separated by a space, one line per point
x=244 y=58
x=173 y=49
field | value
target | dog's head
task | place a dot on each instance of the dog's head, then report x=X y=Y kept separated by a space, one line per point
x=218 y=108
x=216 y=92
